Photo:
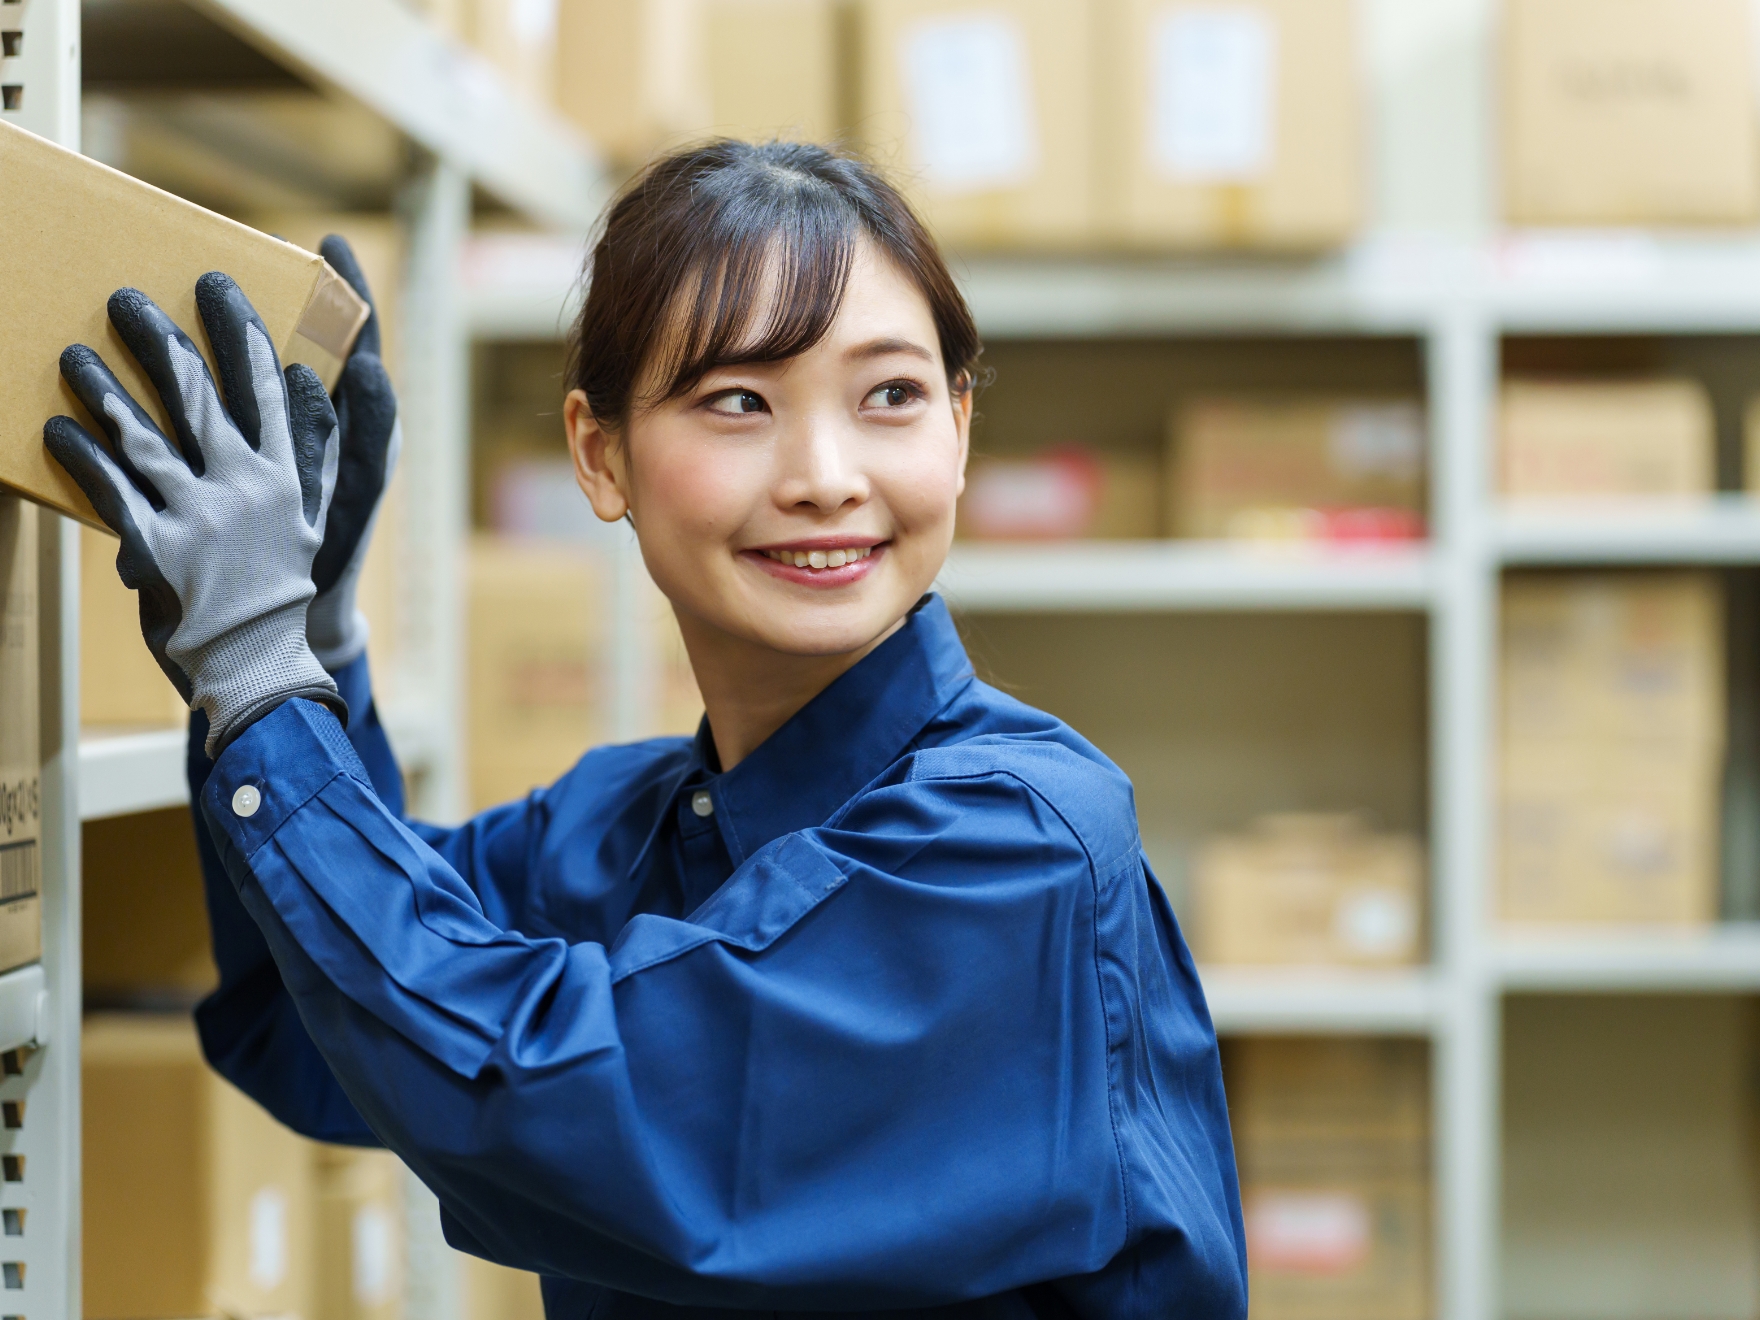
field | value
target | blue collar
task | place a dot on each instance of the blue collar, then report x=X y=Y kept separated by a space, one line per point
x=841 y=739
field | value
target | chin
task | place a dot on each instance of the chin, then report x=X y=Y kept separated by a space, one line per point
x=806 y=631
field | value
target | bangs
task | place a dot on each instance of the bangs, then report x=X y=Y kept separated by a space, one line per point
x=768 y=291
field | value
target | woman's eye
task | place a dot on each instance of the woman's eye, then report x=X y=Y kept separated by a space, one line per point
x=736 y=403
x=894 y=394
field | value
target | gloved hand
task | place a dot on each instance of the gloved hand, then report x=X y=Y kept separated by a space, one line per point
x=218 y=539
x=366 y=410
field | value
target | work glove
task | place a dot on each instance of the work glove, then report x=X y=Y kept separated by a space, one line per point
x=366 y=411
x=219 y=538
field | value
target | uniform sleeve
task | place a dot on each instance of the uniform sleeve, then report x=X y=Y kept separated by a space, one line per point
x=871 y=1071
x=250 y=1027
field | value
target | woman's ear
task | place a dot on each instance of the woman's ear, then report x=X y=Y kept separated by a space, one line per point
x=962 y=421
x=599 y=462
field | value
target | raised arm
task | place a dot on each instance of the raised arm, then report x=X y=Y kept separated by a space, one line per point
x=882 y=1066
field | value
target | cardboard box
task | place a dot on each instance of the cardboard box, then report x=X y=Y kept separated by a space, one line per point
x=1071 y=492
x=1645 y=438
x=1230 y=126
x=196 y=1202
x=518 y=37
x=1309 y=889
x=534 y=650
x=21 y=783
x=360 y=1239
x=1338 y=1250
x=638 y=75
x=121 y=686
x=983 y=114
x=1296 y=468
x=1629 y=112
x=91 y=230
x=1613 y=720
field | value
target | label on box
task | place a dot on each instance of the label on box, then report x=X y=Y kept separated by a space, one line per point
x=1307 y=1232
x=970 y=93
x=1053 y=497
x=1213 y=104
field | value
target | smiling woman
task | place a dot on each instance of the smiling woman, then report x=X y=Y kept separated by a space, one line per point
x=862 y=1001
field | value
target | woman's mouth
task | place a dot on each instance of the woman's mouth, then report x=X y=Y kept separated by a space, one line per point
x=818 y=566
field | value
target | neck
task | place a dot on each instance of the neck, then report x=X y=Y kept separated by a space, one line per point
x=750 y=691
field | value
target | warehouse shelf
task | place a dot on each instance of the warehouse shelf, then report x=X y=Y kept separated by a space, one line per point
x=1616 y=281
x=1719 y=530
x=1245 y=1001
x=1161 y=575
x=1718 y=958
x=442 y=96
x=24 y=1008
x=122 y=773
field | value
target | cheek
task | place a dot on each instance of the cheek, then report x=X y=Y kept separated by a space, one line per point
x=921 y=481
x=694 y=490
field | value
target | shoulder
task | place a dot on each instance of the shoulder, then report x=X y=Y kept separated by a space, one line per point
x=614 y=777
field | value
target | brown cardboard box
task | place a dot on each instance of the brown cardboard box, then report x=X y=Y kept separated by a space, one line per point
x=1331 y=468
x=196 y=1202
x=1613 y=722
x=1629 y=112
x=89 y=231
x=983 y=112
x=1070 y=492
x=21 y=792
x=120 y=684
x=360 y=1239
x=637 y=75
x=519 y=38
x=533 y=663
x=144 y=920
x=1235 y=125
x=1309 y=889
x=1649 y=438
x=1332 y=1137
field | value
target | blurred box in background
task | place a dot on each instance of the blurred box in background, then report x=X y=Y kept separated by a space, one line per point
x=195 y=1201
x=21 y=788
x=1646 y=438
x=144 y=920
x=1234 y=126
x=638 y=75
x=360 y=1238
x=1613 y=730
x=494 y=1292
x=1332 y=1141
x=120 y=684
x=1064 y=493
x=535 y=633
x=1296 y=468
x=982 y=114
x=1309 y=889
x=1629 y=112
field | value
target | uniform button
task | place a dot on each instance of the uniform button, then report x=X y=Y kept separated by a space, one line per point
x=246 y=800
x=701 y=803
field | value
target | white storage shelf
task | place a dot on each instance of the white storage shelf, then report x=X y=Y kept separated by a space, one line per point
x=1260 y=1001
x=1720 y=530
x=1722 y=958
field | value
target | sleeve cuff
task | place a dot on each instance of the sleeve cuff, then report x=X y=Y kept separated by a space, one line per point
x=273 y=769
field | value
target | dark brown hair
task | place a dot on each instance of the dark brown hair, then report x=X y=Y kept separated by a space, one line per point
x=693 y=242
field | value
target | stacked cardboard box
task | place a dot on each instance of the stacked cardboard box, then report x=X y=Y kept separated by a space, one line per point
x=638 y=75
x=1613 y=730
x=1646 y=438
x=1061 y=494
x=985 y=114
x=21 y=784
x=1296 y=468
x=120 y=684
x=144 y=921
x=360 y=1242
x=1332 y=1141
x=196 y=1202
x=532 y=665
x=1629 y=112
x=1313 y=889
x=1235 y=125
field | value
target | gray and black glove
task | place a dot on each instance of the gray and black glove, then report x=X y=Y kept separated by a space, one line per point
x=219 y=538
x=366 y=410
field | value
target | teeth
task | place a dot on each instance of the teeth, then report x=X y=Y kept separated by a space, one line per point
x=820 y=558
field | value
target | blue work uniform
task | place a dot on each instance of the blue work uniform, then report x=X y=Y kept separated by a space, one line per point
x=890 y=1019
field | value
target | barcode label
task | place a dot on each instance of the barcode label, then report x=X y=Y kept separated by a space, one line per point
x=20 y=870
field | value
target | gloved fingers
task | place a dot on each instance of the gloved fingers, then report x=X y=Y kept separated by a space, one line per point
x=367 y=408
x=175 y=366
x=124 y=509
x=109 y=402
x=340 y=255
x=316 y=441
x=250 y=373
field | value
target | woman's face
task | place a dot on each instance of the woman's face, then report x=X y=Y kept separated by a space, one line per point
x=805 y=505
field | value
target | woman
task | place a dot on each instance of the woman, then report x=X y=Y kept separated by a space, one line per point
x=861 y=1001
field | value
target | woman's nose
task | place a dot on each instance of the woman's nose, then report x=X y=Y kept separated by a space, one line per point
x=817 y=467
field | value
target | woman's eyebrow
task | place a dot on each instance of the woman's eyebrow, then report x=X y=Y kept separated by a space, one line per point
x=883 y=347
